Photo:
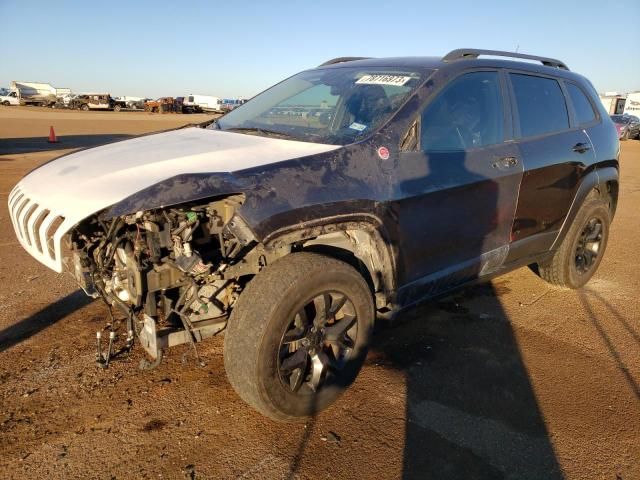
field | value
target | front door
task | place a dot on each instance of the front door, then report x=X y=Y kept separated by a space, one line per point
x=456 y=194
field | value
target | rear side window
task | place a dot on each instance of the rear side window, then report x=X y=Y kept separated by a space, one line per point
x=581 y=105
x=541 y=105
x=467 y=114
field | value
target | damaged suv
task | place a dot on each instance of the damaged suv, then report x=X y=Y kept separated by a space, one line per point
x=345 y=193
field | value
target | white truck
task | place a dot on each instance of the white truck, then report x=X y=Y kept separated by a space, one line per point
x=632 y=105
x=9 y=98
x=202 y=103
x=36 y=93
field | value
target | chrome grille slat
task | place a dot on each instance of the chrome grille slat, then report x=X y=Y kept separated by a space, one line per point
x=49 y=234
x=57 y=235
x=42 y=232
x=25 y=220
x=15 y=201
x=12 y=195
x=34 y=226
x=19 y=211
x=38 y=228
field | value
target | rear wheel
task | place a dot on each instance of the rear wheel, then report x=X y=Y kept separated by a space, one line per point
x=298 y=335
x=581 y=251
x=84 y=107
x=117 y=108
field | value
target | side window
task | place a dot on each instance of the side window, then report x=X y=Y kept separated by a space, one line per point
x=467 y=114
x=581 y=105
x=541 y=105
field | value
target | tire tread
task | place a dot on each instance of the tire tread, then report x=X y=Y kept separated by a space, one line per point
x=248 y=321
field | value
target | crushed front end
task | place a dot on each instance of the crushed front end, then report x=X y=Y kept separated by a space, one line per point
x=174 y=272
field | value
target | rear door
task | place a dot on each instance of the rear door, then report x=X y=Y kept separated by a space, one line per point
x=555 y=151
x=457 y=192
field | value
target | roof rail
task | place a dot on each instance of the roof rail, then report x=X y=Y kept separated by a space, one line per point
x=333 y=61
x=464 y=53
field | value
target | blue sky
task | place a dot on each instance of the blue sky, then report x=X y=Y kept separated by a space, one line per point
x=232 y=49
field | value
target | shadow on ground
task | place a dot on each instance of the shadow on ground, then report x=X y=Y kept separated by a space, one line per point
x=41 y=144
x=42 y=319
x=587 y=298
x=471 y=410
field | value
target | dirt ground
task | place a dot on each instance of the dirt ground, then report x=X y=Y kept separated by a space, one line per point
x=508 y=380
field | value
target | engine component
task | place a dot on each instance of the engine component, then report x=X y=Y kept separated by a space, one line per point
x=165 y=269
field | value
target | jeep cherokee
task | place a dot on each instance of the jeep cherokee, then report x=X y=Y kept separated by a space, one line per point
x=345 y=193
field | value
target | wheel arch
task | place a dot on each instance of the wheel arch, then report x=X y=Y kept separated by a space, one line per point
x=602 y=182
x=361 y=242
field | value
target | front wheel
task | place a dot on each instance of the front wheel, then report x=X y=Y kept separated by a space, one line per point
x=298 y=335
x=84 y=107
x=580 y=253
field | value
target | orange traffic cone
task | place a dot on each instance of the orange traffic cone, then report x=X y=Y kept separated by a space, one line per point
x=52 y=135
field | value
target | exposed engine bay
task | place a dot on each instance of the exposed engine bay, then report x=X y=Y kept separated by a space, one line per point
x=174 y=272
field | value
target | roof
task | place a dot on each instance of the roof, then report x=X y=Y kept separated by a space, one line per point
x=409 y=62
x=461 y=58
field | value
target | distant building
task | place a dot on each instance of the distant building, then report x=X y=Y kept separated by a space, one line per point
x=613 y=102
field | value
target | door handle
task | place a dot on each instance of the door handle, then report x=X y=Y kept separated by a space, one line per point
x=581 y=147
x=505 y=163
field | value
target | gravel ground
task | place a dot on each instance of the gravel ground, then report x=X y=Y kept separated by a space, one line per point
x=508 y=380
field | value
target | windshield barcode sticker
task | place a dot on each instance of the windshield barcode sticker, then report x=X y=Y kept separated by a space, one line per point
x=357 y=126
x=397 y=80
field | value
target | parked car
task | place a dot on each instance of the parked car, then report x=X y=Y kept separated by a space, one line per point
x=93 y=101
x=163 y=105
x=139 y=105
x=293 y=233
x=229 y=104
x=118 y=105
x=132 y=103
x=628 y=126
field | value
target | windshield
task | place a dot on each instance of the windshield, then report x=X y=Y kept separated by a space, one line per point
x=336 y=106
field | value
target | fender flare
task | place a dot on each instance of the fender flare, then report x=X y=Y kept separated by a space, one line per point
x=597 y=179
x=382 y=266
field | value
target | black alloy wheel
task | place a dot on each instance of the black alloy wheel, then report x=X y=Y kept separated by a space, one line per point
x=588 y=246
x=298 y=335
x=318 y=342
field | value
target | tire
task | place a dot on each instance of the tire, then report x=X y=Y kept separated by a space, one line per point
x=578 y=256
x=5 y=103
x=272 y=305
x=84 y=107
x=117 y=108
